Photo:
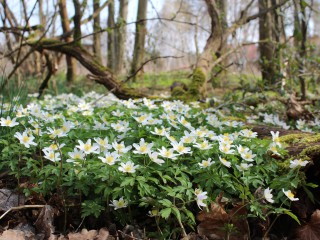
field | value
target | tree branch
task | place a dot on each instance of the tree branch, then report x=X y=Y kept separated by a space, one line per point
x=143 y=64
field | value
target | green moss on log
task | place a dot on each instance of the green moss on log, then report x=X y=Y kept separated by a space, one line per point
x=300 y=138
x=311 y=151
x=178 y=92
x=196 y=90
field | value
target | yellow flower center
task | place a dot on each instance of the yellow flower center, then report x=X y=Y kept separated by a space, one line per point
x=290 y=194
x=8 y=122
x=180 y=148
x=143 y=148
x=128 y=168
x=87 y=147
x=120 y=203
x=25 y=139
x=109 y=159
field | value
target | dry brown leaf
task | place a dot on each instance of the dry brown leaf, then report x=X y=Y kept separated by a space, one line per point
x=103 y=234
x=310 y=231
x=9 y=199
x=213 y=222
x=83 y=235
x=44 y=222
x=13 y=235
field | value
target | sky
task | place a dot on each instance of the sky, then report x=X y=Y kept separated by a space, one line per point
x=16 y=7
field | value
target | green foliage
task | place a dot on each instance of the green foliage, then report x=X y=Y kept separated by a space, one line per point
x=167 y=187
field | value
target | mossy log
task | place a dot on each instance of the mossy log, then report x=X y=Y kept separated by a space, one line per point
x=297 y=143
x=304 y=146
x=99 y=73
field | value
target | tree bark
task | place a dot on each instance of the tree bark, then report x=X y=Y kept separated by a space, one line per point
x=300 y=39
x=121 y=36
x=139 y=42
x=111 y=37
x=71 y=64
x=268 y=36
x=77 y=22
x=96 y=29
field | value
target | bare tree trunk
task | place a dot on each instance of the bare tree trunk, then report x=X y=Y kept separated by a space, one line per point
x=42 y=20
x=121 y=36
x=111 y=37
x=300 y=38
x=141 y=31
x=71 y=64
x=269 y=39
x=77 y=22
x=211 y=55
x=96 y=28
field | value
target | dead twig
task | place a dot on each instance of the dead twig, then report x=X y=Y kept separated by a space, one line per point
x=20 y=207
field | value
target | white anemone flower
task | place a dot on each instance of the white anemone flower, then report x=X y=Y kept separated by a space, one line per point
x=203 y=145
x=268 y=195
x=103 y=144
x=55 y=147
x=76 y=155
x=275 y=138
x=51 y=155
x=87 y=147
x=243 y=166
x=142 y=147
x=120 y=147
x=121 y=203
x=56 y=132
x=154 y=156
x=25 y=139
x=225 y=148
x=8 y=122
x=167 y=153
x=206 y=163
x=110 y=158
x=117 y=113
x=180 y=148
x=200 y=197
x=184 y=122
x=248 y=155
x=225 y=162
x=160 y=131
x=298 y=163
x=188 y=138
x=248 y=133
x=290 y=195
x=128 y=167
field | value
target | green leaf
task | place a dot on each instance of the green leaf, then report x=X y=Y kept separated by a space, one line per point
x=177 y=213
x=166 y=202
x=309 y=193
x=127 y=181
x=294 y=217
x=312 y=185
x=165 y=213
x=189 y=214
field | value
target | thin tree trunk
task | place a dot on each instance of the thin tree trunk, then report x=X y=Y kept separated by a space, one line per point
x=141 y=31
x=269 y=37
x=121 y=36
x=111 y=37
x=71 y=64
x=300 y=38
x=96 y=28
x=77 y=22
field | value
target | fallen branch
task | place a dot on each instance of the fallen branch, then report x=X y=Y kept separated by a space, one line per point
x=20 y=207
